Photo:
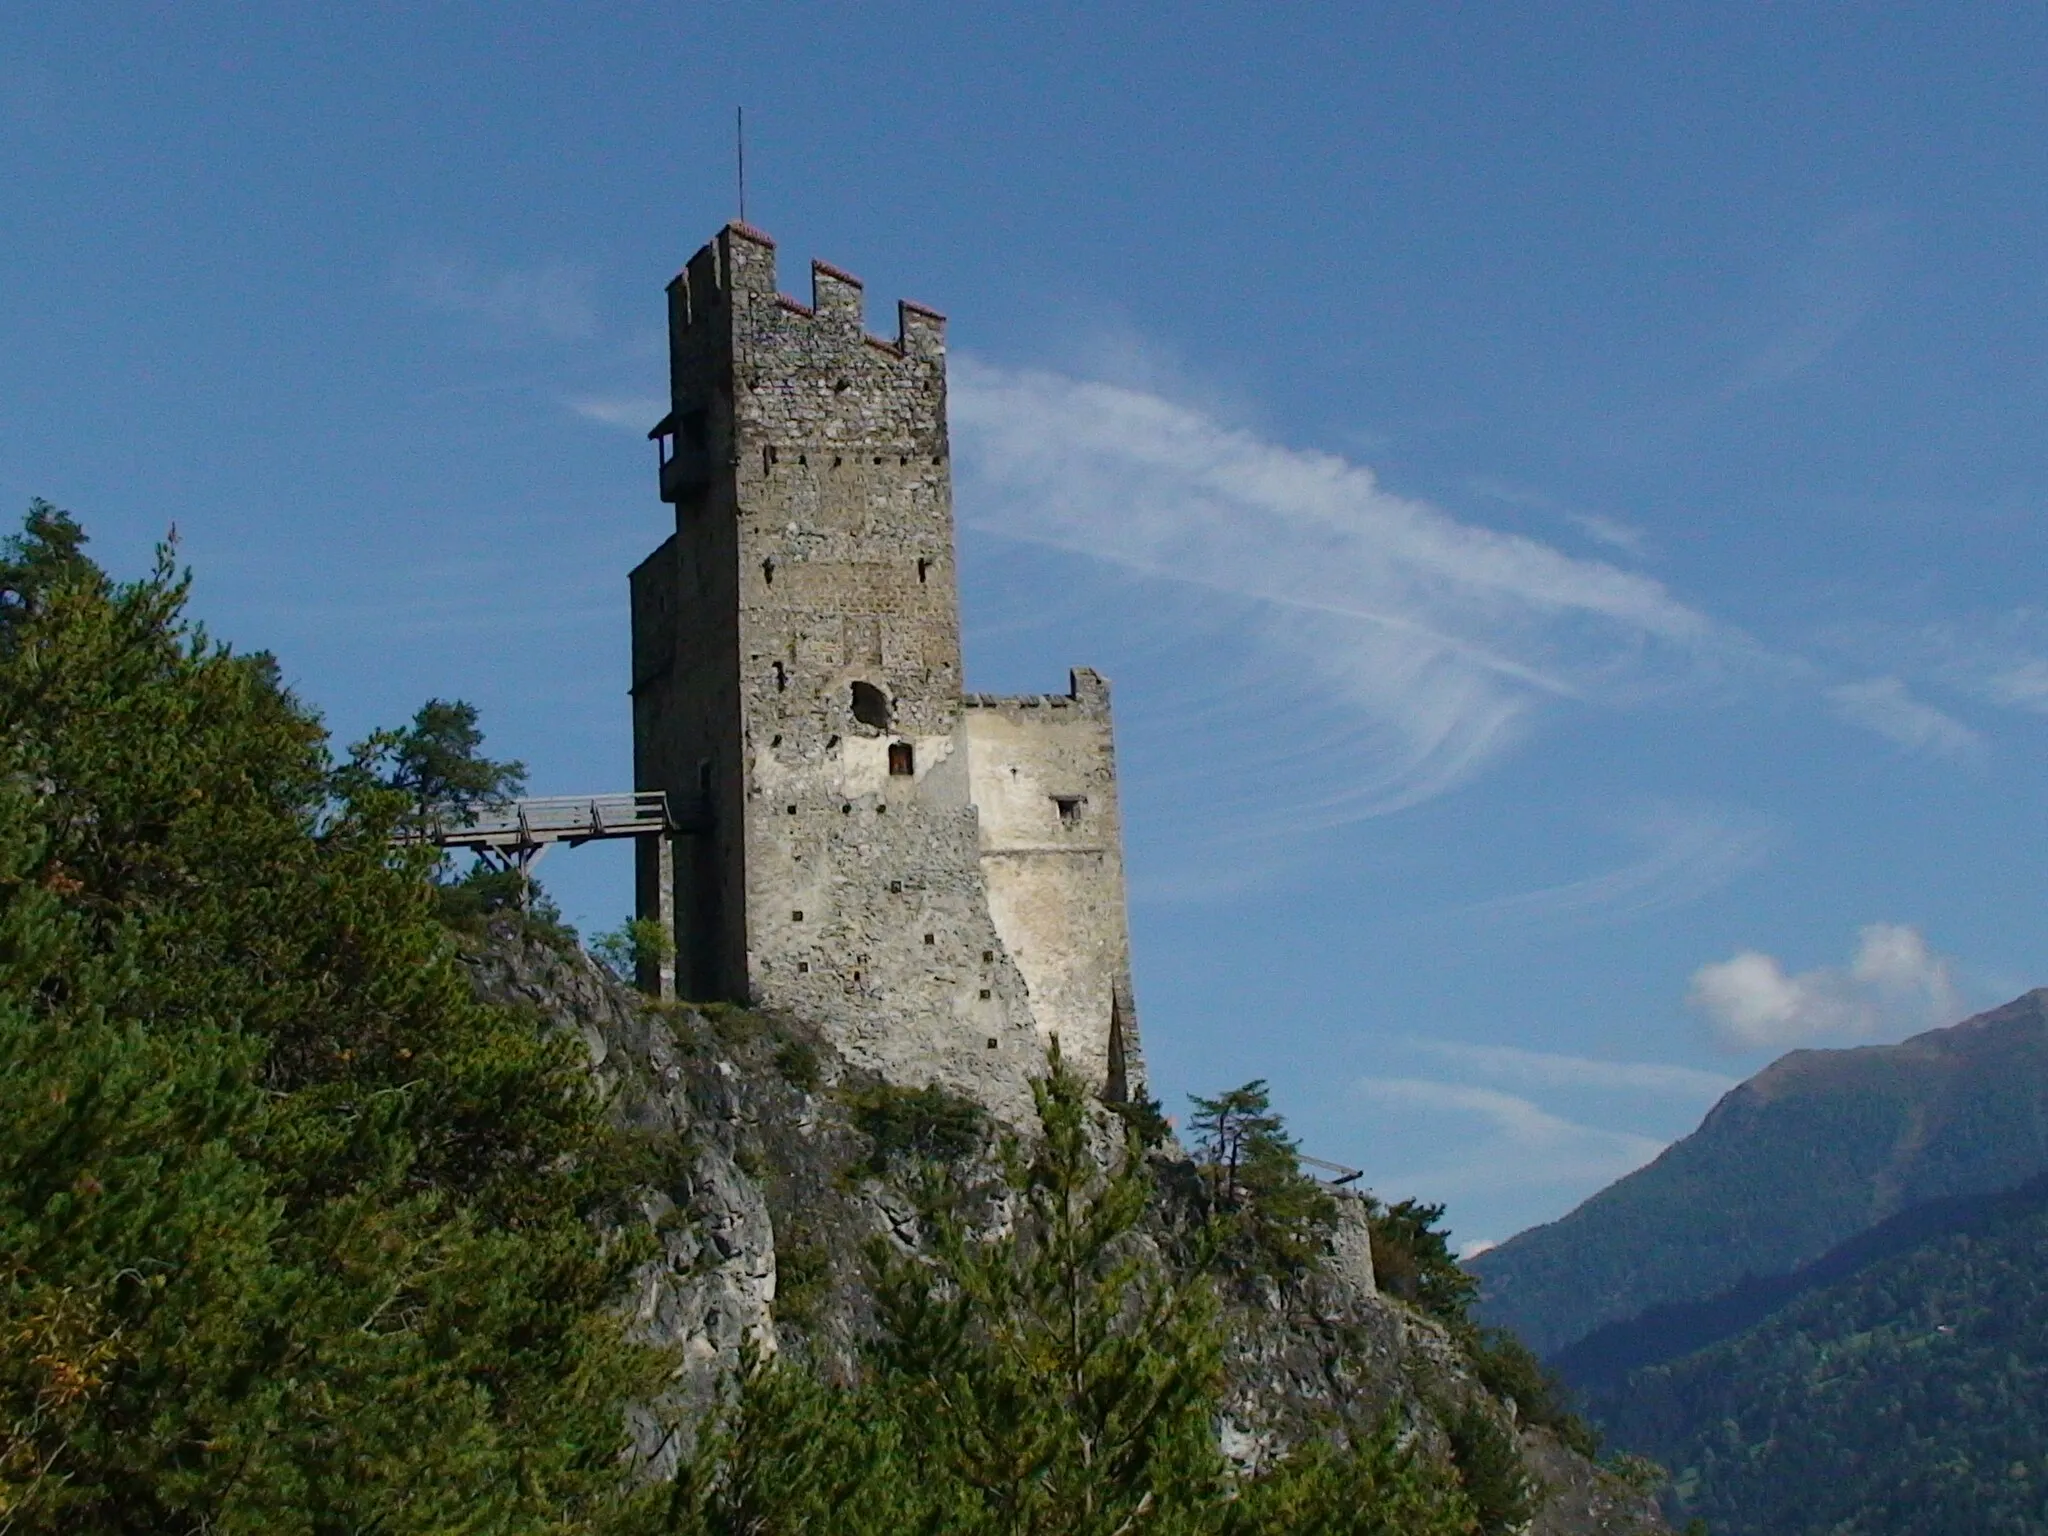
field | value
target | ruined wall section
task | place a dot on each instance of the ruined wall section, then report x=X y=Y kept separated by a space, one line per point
x=1042 y=775
x=866 y=907
x=686 y=714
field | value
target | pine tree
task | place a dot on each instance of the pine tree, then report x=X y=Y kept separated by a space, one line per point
x=1054 y=1374
x=295 y=1235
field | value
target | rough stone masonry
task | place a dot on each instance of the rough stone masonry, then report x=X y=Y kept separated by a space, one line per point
x=934 y=878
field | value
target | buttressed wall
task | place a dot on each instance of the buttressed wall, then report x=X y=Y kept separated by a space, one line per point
x=935 y=878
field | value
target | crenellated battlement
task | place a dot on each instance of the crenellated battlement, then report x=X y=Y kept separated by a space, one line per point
x=740 y=261
x=1087 y=693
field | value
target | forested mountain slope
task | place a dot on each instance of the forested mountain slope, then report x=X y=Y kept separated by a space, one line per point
x=1815 y=1148
x=1908 y=1398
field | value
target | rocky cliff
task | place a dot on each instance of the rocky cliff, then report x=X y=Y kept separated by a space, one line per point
x=769 y=1198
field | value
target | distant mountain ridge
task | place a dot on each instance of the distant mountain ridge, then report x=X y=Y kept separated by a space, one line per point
x=1599 y=1363
x=1905 y=1397
x=1819 y=1146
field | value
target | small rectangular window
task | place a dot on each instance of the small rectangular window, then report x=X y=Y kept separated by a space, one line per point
x=1069 y=808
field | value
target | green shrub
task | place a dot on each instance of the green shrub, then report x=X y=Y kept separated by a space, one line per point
x=926 y=1124
x=798 y=1063
x=1489 y=1462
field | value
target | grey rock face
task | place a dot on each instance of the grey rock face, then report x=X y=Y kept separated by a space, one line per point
x=765 y=1215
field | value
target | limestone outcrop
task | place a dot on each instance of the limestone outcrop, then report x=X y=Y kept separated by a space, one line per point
x=766 y=1205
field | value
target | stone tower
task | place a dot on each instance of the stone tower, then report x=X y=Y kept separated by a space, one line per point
x=936 y=878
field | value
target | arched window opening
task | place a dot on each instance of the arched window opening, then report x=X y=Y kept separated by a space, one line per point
x=902 y=762
x=871 y=706
x=768 y=572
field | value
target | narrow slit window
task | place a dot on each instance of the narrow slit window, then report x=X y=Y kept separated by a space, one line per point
x=923 y=569
x=767 y=458
x=902 y=761
x=781 y=677
x=768 y=572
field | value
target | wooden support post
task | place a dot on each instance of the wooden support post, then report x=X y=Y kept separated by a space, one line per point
x=665 y=913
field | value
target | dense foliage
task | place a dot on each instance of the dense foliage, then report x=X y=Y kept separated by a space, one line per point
x=1054 y=1375
x=1811 y=1151
x=1271 y=1217
x=295 y=1236
x=1909 y=1398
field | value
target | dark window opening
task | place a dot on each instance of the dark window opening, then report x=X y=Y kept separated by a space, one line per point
x=837 y=460
x=931 y=938
x=775 y=741
x=984 y=994
x=923 y=566
x=803 y=458
x=1070 y=808
x=871 y=706
x=767 y=458
x=803 y=967
x=991 y=1042
x=895 y=887
x=902 y=761
x=768 y=572
x=796 y=917
x=988 y=956
x=792 y=810
x=781 y=677
x=694 y=433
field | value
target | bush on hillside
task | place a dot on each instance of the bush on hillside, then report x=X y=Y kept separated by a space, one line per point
x=297 y=1235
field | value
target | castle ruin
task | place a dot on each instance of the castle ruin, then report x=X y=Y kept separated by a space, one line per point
x=934 y=877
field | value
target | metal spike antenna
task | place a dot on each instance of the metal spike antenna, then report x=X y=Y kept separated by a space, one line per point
x=739 y=141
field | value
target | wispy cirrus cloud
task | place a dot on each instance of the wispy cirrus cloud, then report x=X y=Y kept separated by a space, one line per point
x=1834 y=286
x=1549 y=1069
x=1888 y=707
x=629 y=413
x=1511 y=1142
x=550 y=301
x=1894 y=985
x=1688 y=852
x=1436 y=639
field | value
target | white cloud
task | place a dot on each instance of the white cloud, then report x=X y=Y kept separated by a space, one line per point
x=1833 y=290
x=629 y=413
x=1885 y=705
x=516 y=304
x=1546 y=1069
x=1894 y=986
x=1515 y=1144
x=1612 y=532
x=2020 y=684
x=1691 y=851
x=1434 y=639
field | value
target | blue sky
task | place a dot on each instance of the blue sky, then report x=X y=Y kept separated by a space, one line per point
x=1555 y=487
